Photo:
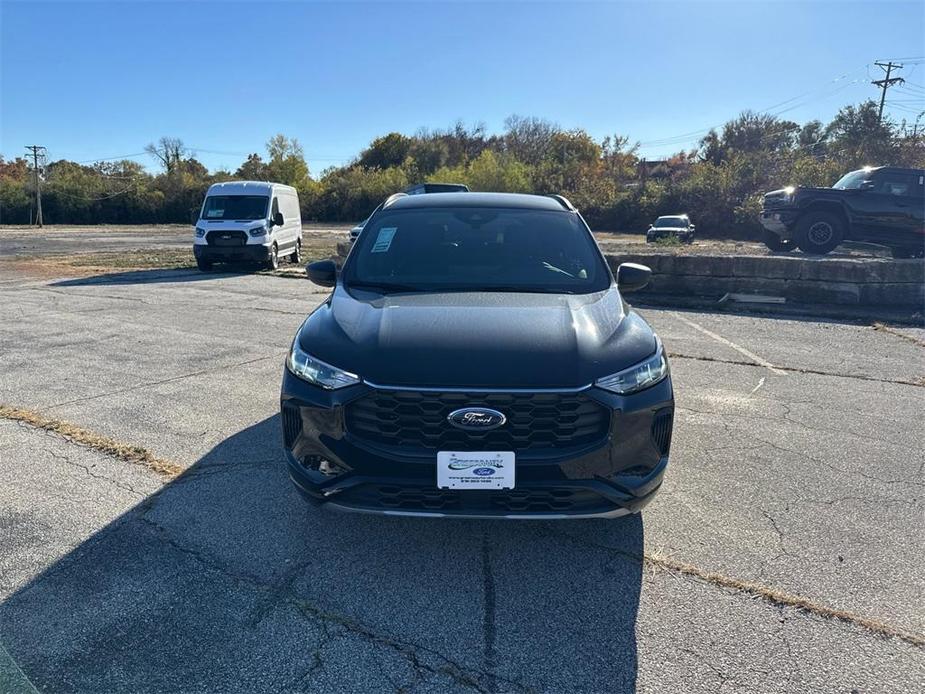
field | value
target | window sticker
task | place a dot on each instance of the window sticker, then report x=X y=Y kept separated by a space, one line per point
x=384 y=239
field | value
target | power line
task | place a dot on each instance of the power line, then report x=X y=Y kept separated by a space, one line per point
x=886 y=83
x=37 y=151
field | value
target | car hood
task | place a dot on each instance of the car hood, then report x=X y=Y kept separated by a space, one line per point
x=658 y=229
x=491 y=340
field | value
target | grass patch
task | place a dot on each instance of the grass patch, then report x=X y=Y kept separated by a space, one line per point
x=135 y=455
x=313 y=248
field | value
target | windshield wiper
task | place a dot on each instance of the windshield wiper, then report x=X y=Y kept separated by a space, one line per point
x=557 y=269
x=385 y=286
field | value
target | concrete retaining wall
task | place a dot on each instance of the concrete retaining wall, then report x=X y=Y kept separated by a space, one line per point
x=798 y=278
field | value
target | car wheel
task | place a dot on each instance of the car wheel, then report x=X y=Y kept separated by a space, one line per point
x=296 y=255
x=273 y=259
x=204 y=265
x=819 y=233
x=777 y=244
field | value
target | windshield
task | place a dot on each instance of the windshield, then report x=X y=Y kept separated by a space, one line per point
x=852 y=180
x=671 y=222
x=235 y=207
x=477 y=249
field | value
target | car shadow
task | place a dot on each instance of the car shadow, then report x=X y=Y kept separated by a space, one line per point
x=226 y=580
x=155 y=276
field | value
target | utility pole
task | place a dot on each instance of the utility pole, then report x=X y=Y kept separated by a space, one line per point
x=885 y=84
x=37 y=151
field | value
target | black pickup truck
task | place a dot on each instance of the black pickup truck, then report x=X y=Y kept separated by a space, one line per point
x=883 y=205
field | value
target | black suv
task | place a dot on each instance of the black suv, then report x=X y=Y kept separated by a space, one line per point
x=476 y=358
x=884 y=205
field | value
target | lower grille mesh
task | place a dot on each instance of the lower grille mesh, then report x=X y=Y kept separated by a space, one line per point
x=500 y=502
x=662 y=425
x=292 y=425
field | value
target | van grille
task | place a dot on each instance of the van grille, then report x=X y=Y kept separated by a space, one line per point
x=535 y=421
x=219 y=237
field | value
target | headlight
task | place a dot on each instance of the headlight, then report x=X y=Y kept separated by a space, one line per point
x=200 y=232
x=259 y=231
x=316 y=371
x=638 y=377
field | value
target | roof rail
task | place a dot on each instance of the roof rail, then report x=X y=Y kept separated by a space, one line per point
x=392 y=198
x=562 y=200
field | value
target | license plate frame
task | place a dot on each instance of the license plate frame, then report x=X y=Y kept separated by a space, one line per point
x=476 y=469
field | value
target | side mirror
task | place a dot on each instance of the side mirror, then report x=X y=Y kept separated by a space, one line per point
x=692 y=227
x=278 y=219
x=631 y=276
x=323 y=272
x=867 y=185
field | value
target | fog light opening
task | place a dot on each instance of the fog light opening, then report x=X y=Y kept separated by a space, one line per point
x=322 y=466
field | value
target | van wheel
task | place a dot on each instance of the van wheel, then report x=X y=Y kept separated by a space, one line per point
x=777 y=244
x=819 y=233
x=204 y=265
x=273 y=259
x=296 y=256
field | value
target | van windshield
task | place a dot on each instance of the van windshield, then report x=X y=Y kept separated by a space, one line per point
x=235 y=207
x=477 y=249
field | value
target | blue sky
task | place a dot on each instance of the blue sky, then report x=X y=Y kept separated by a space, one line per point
x=95 y=80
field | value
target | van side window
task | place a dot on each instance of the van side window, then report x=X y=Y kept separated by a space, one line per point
x=275 y=208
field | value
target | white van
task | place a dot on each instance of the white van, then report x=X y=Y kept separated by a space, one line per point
x=248 y=221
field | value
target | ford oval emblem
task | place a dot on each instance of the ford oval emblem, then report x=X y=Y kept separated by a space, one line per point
x=476 y=418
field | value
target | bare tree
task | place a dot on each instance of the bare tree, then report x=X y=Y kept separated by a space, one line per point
x=169 y=151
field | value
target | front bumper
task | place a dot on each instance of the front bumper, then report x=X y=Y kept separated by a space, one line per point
x=253 y=253
x=780 y=222
x=618 y=474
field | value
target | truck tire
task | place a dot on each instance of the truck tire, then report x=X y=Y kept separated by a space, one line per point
x=273 y=258
x=777 y=244
x=819 y=233
x=204 y=265
x=296 y=256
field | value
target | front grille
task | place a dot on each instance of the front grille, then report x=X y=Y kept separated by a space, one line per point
x=218 y=237
x=292 y=425
x=661 y=430
x=497 y=502
x=535 y=421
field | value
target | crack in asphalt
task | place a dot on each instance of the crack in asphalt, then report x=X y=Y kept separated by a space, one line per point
x=479 y=679
x=769 y=594
x=881 y=327
x=281 y=593
x=90 y=473
x=917 y=382
x=489 y=656
x=162 y=381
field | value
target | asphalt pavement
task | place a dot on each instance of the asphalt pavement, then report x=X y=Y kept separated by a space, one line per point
x=783 y=553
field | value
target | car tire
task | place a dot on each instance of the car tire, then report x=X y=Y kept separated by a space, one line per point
x=777 y=244
x=819 y=233
x=273 y=258
x=204 y=265
x=296 y=256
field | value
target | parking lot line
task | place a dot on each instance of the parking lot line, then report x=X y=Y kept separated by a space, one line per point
x=729 y=343
x=12 y=678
